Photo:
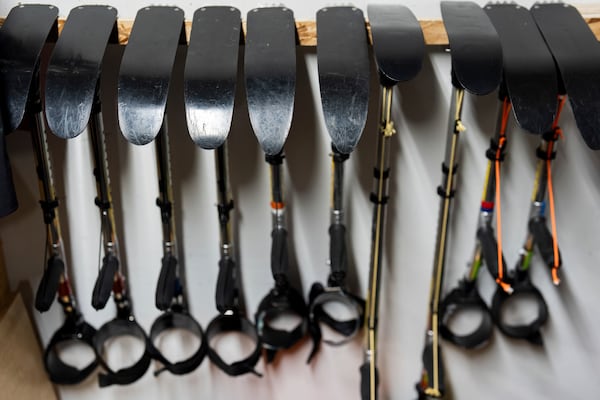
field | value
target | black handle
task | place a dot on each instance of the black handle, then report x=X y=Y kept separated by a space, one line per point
x=365 y=381
x=46 y=292
x=489 y=249
x=167 y=280
x=279 y=254
x=104 y=282
x=337 y=253
x=428 y=371
x=543 y=240
x=226 y=293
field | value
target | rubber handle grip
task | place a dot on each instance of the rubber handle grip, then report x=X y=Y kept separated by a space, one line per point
x=543 y=240
x=279 y=253
x=365 y=381
x=46 y=292
x=428 y=362
x=489 y=249
x=167 y=281
x=104 y=282
x=337 y=249
x=226 y=293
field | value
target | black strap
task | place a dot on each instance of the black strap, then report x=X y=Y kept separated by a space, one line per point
x=166 y=287
x=543 y=240
x=177 y=320
x=226 y=323
x=74 y=329
x=531 y=332
x=226 y=295
x=104 y=283
x=124 y=376
x=466 y=297
x=347 y=328
x=283 y=299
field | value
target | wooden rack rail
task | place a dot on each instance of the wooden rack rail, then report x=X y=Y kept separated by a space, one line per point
x=433 y=30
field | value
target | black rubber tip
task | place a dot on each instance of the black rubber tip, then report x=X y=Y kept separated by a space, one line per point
x=165 y=288
x=46 y=292
x=104 y=282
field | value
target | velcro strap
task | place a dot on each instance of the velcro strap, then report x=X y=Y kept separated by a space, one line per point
x=177 y=320
x=280 y=300
x=223 y=324
x=124 y=376
x=73 y=330
x=46 y=292
x=466 y=297
x=347 y=328
x=530 y=331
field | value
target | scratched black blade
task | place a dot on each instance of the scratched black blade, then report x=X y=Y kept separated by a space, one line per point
x=74 y=68
x=270 y=71
x=398 y=42
x=209 y=87
x=145 y=71
x=22 y=36
x=529 y=70
x=576 y=51
x=474 y=47
x=343 y=62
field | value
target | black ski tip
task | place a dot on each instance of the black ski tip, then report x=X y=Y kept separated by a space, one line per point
x=577 y=54
x=48 y=288
x=104 y=282
x=392 y=24
x=344 y=69
x=529 y=70
x=81 y=46
x=475 y=47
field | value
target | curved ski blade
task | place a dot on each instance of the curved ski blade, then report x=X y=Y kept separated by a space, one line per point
x=145 y=71
x=398 y=42
x=529 y=70
x=576 y=51
x=74 y=68
x=270 y=70
x=475 y=47
x=23 y=35
x=343 y=62
x=209 y=87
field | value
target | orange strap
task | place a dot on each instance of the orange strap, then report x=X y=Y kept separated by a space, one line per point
x=558 y=134
x=501 y=142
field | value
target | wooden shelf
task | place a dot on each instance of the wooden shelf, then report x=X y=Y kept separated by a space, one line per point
x=433 y=30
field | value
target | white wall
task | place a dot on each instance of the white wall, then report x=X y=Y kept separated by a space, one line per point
x=566 y=366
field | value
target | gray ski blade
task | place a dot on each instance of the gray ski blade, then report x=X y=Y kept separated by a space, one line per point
x=74 y=68
x=22 y=37
x=398 y=42
x=475 y=48
x=270 y=71
x=145 y=71
x=343 y=62
x=209 y=86
x=576 y=51
x=529 y=70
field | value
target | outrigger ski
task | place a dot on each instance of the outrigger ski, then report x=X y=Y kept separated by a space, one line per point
x=270 y=75
x=209 y=93
x=575 y=50
x=343 y=62
x=476 y=67
x=390 y=25
x=142 y=92
x=40 y=24
x=532 y=88
x=35 y=25
x=72 y=101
